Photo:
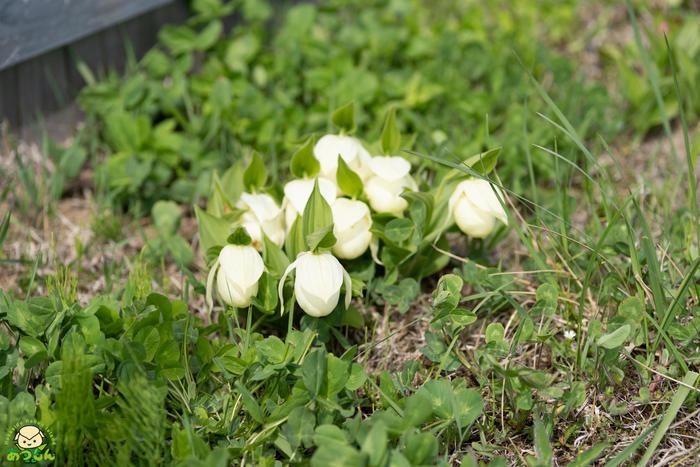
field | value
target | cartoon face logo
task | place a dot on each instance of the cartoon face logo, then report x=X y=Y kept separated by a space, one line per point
x=29 y=437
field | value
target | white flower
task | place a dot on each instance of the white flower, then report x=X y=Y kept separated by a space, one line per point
x=390 y=175
x=351 y=224
x=240 y=268
x=475 y=207
x=261 y=214
x=317 y=284
x=329 y=147
x=569 y=334
x=297 y=194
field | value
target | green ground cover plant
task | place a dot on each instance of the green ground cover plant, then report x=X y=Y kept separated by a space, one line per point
x=398 y=237
x=203 y=98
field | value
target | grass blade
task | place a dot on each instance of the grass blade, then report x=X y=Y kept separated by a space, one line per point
x=3 y=228
x=626 y=453
x=686 y=141
x=678 y=399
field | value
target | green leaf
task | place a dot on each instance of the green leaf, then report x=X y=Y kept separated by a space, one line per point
x=357 y=378
x=421 y=449
x=336 y=374
x=231 y=183
x=275 y=260
x=33 y=349
x=150 y=339
x=250 y=404
x=398 y=230
x=313 y=371
x=375 y=443
x=294 y=243
x=494 y=333
x=255 y=175
x=678 y=399
x=221 y=96
x=318 y=217
x=485 y=162
x=166 y=217
x=209 y=35
x=391 y=138
x=304 y=164
x=615 y=338
x=213 y=230
x=179 y=39
x=267 y=298
x=352 y=317
x=588 y=456
x=348 y=181
x=344 y=118
x=240 y=237
x=337 y=455
x=543 y=450
x=323 y=238
x=418 y=409
x=448 y=293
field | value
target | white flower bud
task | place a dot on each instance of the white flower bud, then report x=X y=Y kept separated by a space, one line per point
x=297 y=194
x=390 y=175
x=475 y=207
x=318 y=282
x=329 y=147
x=240 y=268
x=351 y=224
x=261 y=214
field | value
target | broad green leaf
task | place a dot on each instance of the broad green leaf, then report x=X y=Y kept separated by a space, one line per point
x=304 y=164
x=615 y=338
x=348 y=181
x=391 y=138
x=213 y=231
x=34 y=350
x=375 y=445
x=150 y=339
x=294 y=243
x=398 y=230
x=344 y=118
x=179 y=39
x=317 y=217
x=494 y=333
x=267 y=297
x=166 y=217
x=314 y=371
x=323 y=238
x=255 y=175
x=32 y=317
x=221 y=94
x=589 y=456
x=329 y=435
x=275 y=260
x=239 y=237
x=209 y=35
x=336 y=375
x=357 y=377
x=485 y=162
x=448 y=292
x=421 y=449
x=231 y=183
x=250 y=404
x=543 y=450
x=418 y=409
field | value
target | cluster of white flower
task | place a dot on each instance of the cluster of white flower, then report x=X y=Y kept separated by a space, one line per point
x=474 y=206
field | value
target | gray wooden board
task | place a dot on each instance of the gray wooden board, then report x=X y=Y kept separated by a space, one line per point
x=50 y=81
x=31 y=27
